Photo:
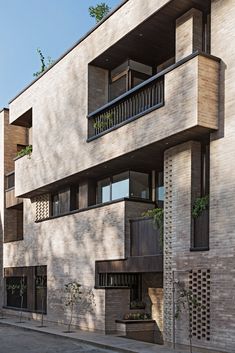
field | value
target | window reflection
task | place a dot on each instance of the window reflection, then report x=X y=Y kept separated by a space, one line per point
x=126 y=184
x=139 y=185
x=103 y=187
x=120 y=186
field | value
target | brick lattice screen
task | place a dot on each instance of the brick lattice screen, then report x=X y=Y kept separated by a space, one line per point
x=42 y=207
x=199 y=284
x=168 y=280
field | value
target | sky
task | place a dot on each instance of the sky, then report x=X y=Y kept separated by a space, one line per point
x=51 y=25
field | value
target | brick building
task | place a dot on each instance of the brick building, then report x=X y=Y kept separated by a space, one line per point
x=137 y=115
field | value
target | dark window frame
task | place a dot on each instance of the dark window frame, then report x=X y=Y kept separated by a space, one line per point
x=110 y=177
x=29 y=273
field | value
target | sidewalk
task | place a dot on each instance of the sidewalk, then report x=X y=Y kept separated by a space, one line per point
x=117 y=344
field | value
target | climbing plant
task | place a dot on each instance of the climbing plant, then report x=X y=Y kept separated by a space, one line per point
x=44 y=64
x=200 y=205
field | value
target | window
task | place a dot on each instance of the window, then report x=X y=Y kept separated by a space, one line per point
x=13 y=287
x=14 y=224
x=103 y=191
x=126 y=76
x=160 y=190
x=128 y=280
x=200 y=225
x=139 y=185
x=120 y=186
x=127 y=184
x=64 y=201
x=41 y=289
x=31 y=282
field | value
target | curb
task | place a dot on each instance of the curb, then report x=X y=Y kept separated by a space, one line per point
x=82 y=340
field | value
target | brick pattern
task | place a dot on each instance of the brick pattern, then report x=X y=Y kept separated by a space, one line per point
x=199 y=284
x=168 y=309
x=42 y=207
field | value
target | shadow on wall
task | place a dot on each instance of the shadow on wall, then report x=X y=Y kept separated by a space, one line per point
x=69 y=246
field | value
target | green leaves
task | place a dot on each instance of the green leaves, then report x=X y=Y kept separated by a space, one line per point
x=99 y=11
x=104 y=121
x=200 y=205
x=158 y=219
x=44 y=65
x=25 y=151
x=73 y=293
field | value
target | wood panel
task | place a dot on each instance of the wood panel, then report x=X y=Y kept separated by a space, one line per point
x=145 y=238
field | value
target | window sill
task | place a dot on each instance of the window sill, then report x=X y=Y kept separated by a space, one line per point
x=200 y=249
x=94 y=207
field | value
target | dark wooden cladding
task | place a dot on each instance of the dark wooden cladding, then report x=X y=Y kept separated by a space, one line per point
x=141 y=99
x=10 y=180
x=200 y=231
x=145 y=238
x=135 y=264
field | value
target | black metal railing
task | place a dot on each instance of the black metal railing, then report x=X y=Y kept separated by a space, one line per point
x=10 y=180
x=141 y=99
x=145 y=238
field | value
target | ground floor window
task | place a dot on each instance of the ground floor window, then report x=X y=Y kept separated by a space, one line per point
x=133 y=281
x=26 y=288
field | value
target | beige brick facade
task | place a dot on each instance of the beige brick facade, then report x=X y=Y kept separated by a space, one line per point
x=198 y=108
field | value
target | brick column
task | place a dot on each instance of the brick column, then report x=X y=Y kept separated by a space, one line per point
x=188 y=33
x=182 y=182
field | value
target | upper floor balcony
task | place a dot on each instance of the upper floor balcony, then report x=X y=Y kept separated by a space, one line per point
x=144 y=90
x=183 y=96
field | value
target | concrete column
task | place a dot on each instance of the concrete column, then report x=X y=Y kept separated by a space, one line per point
x=188 y=33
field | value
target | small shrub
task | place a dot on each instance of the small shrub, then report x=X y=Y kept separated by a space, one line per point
x=25 y=151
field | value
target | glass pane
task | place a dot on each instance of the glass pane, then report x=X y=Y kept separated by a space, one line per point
x=160 y=190
x=41 y=289
x=64 y=200
x=120 y=186
x=15 y=286
x=138 y=77
x=160 y=193
x=103 y=190
x=139 y=185
x=55 y=205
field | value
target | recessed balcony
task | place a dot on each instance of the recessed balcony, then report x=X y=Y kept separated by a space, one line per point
x=185 y=96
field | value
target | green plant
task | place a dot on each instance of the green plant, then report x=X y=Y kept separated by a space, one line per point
x=44 y=65
x=72 y=297
x=25 y=151
x=137 y=305
x=158 y=219
x=99 y=11
x=187 y=302
x=200 y=205
x=137 y=316
x=104 y=121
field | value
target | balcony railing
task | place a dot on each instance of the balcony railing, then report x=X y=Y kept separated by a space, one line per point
x=145 y=238
x=143 y=98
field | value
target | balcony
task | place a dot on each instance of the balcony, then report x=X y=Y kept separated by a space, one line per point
x=129 y=106
x=10 y=199
x=185 y=92
x=146 y=251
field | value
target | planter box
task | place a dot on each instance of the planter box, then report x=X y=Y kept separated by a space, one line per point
x=141 y=330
